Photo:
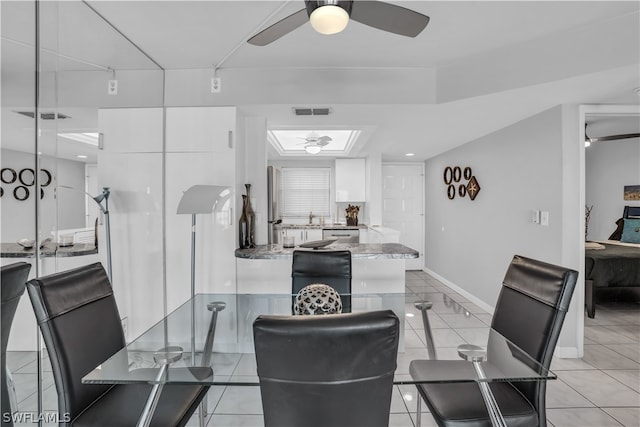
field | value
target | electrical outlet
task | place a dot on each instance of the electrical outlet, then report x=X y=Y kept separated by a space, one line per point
x=216 y=84
x=112 y=89
x=125 y=328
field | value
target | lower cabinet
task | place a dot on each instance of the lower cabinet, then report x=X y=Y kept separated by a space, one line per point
x=302 y=235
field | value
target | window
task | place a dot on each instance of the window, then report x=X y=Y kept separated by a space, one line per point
x=304 y=190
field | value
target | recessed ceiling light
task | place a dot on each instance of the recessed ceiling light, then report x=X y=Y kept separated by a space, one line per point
x=81 y=156
x=410 y=154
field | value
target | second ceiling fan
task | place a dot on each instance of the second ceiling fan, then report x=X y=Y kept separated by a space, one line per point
x=332 y=16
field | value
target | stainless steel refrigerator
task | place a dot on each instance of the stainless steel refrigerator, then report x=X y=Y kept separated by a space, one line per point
x=273 y=215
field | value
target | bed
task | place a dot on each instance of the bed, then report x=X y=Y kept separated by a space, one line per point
x=614 y=263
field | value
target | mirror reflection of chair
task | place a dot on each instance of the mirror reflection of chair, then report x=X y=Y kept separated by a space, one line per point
x=332 y=268
x=12 y=278
x=317 y=298
x=333 y=370
x=80 y=324
x=531 y=307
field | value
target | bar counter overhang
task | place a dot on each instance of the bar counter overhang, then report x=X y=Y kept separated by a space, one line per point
x=376 y=267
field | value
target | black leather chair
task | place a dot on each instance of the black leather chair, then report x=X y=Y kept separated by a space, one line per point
x=331 y=268
x=531 y=307
x=12 y=278
x=80 y=325
x=332 y=370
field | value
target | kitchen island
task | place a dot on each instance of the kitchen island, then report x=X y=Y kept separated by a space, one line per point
x=376 y=267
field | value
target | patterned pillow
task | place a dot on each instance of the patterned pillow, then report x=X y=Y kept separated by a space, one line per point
x=631 y=231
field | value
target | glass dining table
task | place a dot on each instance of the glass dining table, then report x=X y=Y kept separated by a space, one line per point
x=209 y=340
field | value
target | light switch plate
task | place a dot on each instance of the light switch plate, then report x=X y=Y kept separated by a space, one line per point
x=544 y=218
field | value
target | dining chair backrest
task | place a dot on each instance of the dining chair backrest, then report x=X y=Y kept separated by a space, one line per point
x=80 y=324
x=333 y=370
x=332 y=268
x=531 y=308
x=12 y=279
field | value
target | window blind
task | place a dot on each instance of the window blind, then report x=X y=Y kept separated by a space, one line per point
x=304 y=190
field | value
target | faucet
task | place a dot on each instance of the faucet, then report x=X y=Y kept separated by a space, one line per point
x=311 y=216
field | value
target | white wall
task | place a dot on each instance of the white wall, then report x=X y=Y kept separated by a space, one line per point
x=67 y=211
x=519 y=169
x=609 y=167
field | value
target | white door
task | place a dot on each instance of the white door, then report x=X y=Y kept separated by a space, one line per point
x=403 y=206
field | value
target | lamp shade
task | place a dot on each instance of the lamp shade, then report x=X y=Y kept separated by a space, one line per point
x=329 y=19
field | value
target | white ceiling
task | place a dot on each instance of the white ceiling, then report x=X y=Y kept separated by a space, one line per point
x=477 y=67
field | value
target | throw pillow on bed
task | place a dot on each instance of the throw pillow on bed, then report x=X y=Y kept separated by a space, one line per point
x=617 y=235
x=631 y=231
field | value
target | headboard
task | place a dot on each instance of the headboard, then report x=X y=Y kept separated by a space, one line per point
x=631 y=212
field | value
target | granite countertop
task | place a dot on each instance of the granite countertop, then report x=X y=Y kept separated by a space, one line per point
x=14 y=250
x=358 y=251
x=321 y=227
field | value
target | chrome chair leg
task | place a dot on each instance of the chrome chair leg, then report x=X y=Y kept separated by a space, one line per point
x=11 y=387
x=418 y=410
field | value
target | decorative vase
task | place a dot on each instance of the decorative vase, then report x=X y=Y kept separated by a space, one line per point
x=251 y=218
x=243 y=225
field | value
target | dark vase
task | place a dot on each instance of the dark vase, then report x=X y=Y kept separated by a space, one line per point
x=243 y=225
x=251 y=218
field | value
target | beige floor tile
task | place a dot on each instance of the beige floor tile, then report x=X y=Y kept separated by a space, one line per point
x=601 y=389
x=628 y=417
x=581 y=417
x=630 y=378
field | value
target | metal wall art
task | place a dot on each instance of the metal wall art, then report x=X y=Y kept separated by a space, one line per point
x=453 y=179
x=24 y=179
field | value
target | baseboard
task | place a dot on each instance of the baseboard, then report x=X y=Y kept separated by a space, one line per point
x=566 y=353
x=560 y=352
x=483 y=305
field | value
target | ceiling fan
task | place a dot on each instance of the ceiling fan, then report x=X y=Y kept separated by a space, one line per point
x=313 y=143
x=332 y=16
x=589 y=140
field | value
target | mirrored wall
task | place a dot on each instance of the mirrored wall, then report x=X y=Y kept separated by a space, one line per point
x=63 y=66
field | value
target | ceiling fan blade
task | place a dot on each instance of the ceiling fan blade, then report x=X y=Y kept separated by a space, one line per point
x=325 y=139
x=389 y=17
x=614 y=137
x=279 y=29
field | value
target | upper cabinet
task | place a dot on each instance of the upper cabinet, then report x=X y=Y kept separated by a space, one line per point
x=130 y=130
x=350 y=180
x=201 y=129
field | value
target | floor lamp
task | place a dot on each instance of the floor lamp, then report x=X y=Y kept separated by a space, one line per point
x=199 y=199
x=104 y=196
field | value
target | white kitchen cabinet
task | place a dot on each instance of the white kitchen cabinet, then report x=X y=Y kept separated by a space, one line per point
x=130 y=164
x=303 y=235
x=197 y=149
x=200 y=151
x=201 y=129
x=350 y=180
x=130 y=130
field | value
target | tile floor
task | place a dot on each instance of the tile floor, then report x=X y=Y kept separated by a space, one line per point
x=601 y=389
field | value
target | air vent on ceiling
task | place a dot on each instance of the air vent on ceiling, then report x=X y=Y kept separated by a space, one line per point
x=43 y=116
x=304 y=111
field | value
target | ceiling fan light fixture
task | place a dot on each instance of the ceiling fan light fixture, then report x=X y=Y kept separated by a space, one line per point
x=329 y=19
x=312 y=149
